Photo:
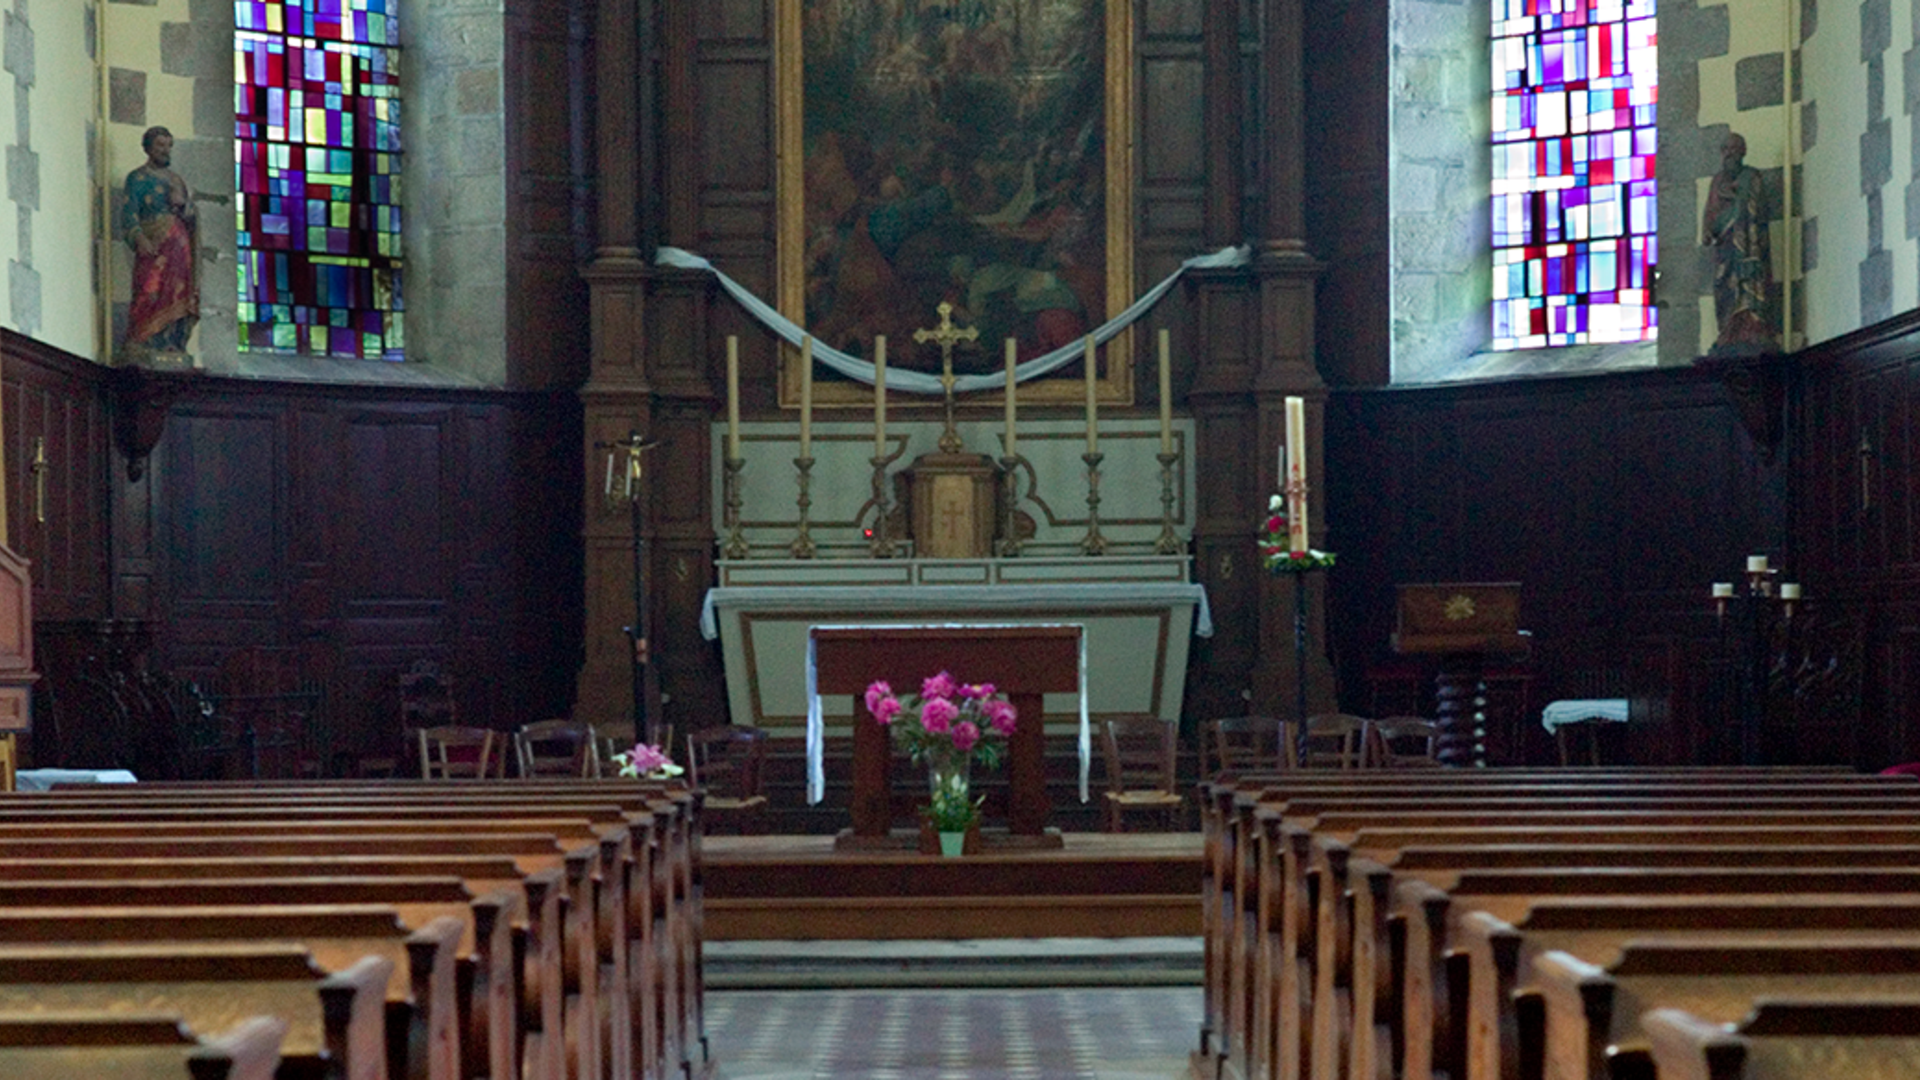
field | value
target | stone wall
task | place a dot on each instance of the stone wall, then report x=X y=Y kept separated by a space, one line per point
x=1439 y=174
x=48 y=97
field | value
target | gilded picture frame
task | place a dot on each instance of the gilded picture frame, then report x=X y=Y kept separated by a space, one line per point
x=909 y=201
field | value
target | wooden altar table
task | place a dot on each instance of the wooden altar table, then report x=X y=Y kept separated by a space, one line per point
x=1023 y=662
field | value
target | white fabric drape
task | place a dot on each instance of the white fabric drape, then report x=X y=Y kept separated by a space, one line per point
x=919 y=382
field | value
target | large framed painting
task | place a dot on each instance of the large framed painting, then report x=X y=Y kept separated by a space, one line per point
x=971 y=152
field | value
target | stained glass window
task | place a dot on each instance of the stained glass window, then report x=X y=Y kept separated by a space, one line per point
x=1574 y=92
x=317 y=176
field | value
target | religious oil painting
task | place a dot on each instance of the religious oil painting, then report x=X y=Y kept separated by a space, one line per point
x=958 y=152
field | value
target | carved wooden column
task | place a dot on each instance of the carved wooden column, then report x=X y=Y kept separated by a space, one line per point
x=617 y=398
x=1287 y=275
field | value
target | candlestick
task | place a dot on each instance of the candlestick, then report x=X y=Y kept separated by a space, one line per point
x=736 y=546
x=733 y=396
x=879 y=545
x=1166 y=395
x=1013 y=357
x=1008 y=544
x=1296 y=474
x=802 y=546
x=1093 y=402
x=806 y=397
x=1169 y=542
x=1093 y=543
x=879 y=396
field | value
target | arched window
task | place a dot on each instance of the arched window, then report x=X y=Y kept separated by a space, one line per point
x=317 y=177
x=1574 y=91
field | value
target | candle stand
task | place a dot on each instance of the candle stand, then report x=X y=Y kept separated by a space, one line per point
x=1169 y=542
x=1755 y=625
x=879 y=544
x=736 y=545
x=1093 y=543
x=1008 y=545
x=802 y=546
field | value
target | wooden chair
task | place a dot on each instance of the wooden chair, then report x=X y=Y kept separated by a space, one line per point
x=1331 y=741
x=729 y=764
x=1402 y=742
x=557 y=748
x=1245 y=742
x=1579 y=742
x=448 y=753
x=1141 y=753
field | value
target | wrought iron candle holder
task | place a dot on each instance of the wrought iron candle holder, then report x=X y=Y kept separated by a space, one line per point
x=1758 y=615
x=802 y=546
x=1169 y=542
x=879 y=544
x=1093 y=543
x=1008 y=545
x=736 y=544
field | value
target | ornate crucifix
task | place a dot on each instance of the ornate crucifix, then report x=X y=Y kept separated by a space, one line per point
x=946 y=335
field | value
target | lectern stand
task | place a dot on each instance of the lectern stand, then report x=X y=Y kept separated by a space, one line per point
x=1023 y=662
x=1464 y=624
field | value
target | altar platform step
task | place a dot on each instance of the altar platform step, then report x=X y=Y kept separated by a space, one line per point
x=1099 y=885
x=1002 y=962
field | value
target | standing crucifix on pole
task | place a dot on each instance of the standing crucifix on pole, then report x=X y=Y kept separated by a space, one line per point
x=646 y=684
x=947 y=335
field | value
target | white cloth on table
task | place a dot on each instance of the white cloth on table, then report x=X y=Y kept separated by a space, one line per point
x=1574 y=710
x=1009 y=598
x=44 y=779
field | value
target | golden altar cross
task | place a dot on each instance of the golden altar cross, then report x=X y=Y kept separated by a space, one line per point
x=947 y=335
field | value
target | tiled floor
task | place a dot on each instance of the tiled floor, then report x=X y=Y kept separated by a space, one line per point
x=1141 y=1033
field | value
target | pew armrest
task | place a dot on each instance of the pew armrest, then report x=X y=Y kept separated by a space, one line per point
x=1686 y=1047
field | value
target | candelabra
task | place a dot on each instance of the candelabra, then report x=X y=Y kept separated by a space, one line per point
x=1009 y=543
x=1093 y=543
x=802 y=546
x=1169 y=541
x=736 y=545
x=879 y=544
x=1759 y=615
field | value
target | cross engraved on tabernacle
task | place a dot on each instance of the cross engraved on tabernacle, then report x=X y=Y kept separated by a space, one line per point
x=947 y=335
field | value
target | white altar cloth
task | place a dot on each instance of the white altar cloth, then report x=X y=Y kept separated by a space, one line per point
x=1092 y=595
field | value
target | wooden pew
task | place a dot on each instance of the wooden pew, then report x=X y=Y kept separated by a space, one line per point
x=423 y=1029
x=667 y=874
x=1238 y=919
x=1867 y=1041
x=101 y=1046
x=491 y=1032
x=335 y=1022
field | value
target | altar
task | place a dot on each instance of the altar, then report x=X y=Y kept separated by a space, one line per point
x=1139 y=613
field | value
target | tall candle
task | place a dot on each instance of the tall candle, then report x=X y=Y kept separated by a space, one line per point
x=733 y=396
x=1093 y=401
x=1297 y=474
x=879 y=395
x=1722 y=590
x=1756 y=564
x=1013 y=358
x=1790 y=591
x=806 y=396
x=1166 y=395
x=609 y=474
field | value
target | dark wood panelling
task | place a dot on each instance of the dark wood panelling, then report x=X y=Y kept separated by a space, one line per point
x=374 y=528
x=1346 y=59
x=56 y=400
x=1613 y=500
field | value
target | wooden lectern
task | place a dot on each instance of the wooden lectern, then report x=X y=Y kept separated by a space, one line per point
x=1463 y=623
x=1022 y=662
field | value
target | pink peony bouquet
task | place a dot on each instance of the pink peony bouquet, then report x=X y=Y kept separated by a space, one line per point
x=647 y=762
x=946 y=719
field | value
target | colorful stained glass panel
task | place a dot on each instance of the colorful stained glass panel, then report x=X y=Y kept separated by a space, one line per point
x=1574 y=91
x=316 y=169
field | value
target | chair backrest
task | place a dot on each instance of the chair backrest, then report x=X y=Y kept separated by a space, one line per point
x=728 y=761
x=426 y=696
x=1141 y=753
x=451 y=752
x=1245 y=742
x=1403 y=741
x=1332 y=741
x=557 y=748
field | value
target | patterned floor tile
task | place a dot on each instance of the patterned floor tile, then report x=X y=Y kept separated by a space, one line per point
x=1023 y=1034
